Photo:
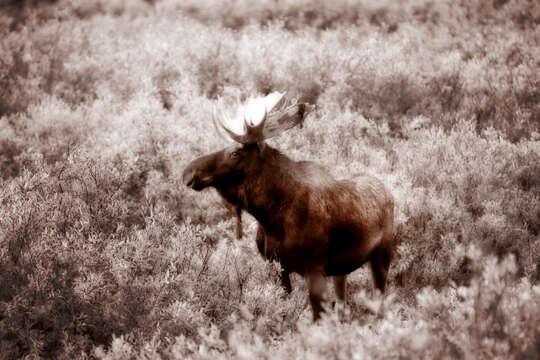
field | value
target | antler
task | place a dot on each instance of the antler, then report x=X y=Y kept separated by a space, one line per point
x=277 y=117
x=249 y=133
x=285 y=119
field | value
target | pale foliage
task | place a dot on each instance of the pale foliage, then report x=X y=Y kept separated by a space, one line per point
x=105 y=253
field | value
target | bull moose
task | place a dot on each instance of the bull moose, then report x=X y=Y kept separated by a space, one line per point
x=316 y=226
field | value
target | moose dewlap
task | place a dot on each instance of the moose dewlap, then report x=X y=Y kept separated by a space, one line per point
x=310 y=222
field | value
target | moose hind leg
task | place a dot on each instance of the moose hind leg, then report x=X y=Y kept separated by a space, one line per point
x=260 y=239
x=317 y=288
x=380 y=263
x=286 y=281
x=340 y=286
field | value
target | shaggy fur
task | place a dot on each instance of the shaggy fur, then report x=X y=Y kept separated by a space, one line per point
x=313 y=224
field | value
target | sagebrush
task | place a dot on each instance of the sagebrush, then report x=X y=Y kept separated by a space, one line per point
x=105 y=254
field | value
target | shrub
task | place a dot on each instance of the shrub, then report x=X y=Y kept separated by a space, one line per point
x=105 y=253
x=476 y=321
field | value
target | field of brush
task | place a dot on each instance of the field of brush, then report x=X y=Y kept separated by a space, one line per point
x=104 y=253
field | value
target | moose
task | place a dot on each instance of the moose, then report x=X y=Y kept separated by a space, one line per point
x=311 y=223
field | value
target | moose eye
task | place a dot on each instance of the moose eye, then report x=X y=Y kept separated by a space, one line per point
x=235 y=154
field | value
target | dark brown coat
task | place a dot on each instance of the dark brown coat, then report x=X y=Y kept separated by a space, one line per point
x=324 y=227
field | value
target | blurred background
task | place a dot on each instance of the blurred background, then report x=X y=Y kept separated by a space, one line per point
x=105 y=254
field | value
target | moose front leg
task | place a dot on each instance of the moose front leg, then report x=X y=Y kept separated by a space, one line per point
x=238 y=212
x=268 y=247
x=317 y=288
x=286 y=280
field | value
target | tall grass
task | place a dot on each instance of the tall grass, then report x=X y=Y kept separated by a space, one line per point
x=106 y=254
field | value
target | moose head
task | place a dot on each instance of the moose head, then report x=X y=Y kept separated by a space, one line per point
x=258 y=119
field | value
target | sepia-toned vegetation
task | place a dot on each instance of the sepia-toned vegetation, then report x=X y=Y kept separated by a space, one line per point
x=105 y=254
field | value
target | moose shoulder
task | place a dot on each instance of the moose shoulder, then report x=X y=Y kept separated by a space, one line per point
x=315 y=225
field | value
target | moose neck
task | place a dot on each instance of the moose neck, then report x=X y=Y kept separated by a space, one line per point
x=267 y=189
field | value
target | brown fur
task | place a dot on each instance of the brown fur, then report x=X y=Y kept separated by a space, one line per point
x=313 y=224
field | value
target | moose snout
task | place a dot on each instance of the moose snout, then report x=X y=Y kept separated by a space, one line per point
x=200 y=173
x=193 y=178
x=189 y=177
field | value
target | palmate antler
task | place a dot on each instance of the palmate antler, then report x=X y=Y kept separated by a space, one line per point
x=260 y=118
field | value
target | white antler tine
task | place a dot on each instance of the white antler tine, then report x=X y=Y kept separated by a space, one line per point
x=253 y=130
x=214 y=120
x=223 y=119
x=261 y=125
x=246 y=121
x=218 y=119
